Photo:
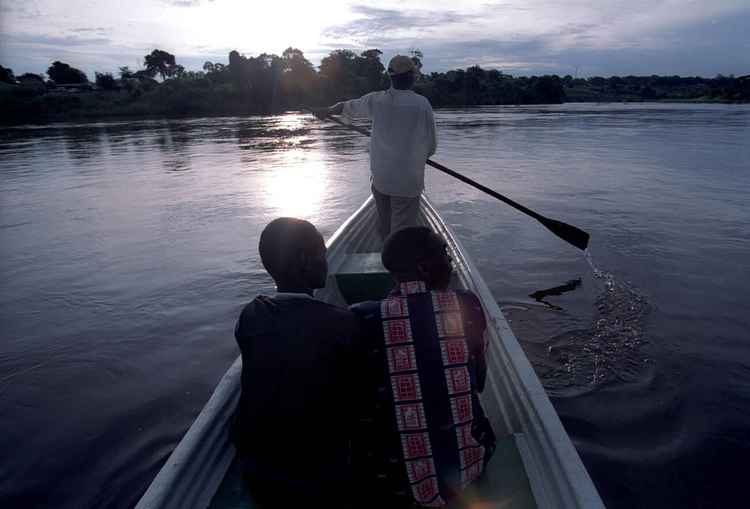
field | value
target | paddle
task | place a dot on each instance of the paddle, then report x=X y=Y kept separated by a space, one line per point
x=568 y=233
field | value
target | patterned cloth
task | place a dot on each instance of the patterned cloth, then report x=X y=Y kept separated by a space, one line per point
x=426 y=430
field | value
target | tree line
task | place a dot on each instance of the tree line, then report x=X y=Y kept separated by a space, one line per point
x=270 y=83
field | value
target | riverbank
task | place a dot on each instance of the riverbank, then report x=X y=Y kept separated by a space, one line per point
x=214 y=94
x=91 y=114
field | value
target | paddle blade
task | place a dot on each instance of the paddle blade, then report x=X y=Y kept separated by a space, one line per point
x=568 y=233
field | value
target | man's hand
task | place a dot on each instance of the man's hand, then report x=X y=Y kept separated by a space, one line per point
x=320 y=113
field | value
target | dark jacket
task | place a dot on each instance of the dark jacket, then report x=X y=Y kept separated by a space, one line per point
x=292 y=423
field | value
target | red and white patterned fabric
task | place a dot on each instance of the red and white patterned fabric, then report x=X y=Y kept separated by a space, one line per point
x=401 y=358
x=458 y=380
x=426 y=491
x=461 y=409
x=471 y=473
x=420 y=469
x=407 y=394
x=455 y=355
x=464 y=436
x=454 y=351
x=395 y=307
x=443 y=302
x=470 y=455
x=416 y=445
x=406 y=387
x=449 y=324
x=397 y=331
x=411 y=417
x=410 y=287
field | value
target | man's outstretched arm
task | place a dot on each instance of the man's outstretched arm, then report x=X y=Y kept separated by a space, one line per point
x=322 y=113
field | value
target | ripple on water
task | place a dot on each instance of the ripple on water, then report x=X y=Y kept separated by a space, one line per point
x=610 y=350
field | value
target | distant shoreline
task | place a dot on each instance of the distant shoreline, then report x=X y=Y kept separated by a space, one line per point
x=114 y=117
x=271 y=84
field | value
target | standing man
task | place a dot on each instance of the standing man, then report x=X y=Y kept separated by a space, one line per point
x=403 y=137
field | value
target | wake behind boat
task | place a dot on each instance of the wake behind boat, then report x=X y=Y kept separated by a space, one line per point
x=535 y=464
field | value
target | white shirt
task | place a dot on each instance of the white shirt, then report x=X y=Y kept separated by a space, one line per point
x=403 y=137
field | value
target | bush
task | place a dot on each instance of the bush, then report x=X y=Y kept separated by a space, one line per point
x=106 y=81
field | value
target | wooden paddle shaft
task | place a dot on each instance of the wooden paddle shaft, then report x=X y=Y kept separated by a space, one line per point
x=568 y=233
x=457 y=175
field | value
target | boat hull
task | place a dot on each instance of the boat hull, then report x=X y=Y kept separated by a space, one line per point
x=536 y=464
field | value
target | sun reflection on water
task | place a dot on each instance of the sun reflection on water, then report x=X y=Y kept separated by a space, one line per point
x=296 y=183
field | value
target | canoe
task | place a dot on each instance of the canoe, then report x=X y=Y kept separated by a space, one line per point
x=535 y=464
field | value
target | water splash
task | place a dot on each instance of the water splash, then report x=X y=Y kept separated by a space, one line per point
x=611 y=350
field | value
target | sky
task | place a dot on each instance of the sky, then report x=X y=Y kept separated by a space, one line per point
x=519 y=37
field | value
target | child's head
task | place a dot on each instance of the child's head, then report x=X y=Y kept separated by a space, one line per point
x=418 y=253
x=294 y=253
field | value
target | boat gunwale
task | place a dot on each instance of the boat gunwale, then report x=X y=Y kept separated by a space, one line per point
x=540 y=436
x=531 y=400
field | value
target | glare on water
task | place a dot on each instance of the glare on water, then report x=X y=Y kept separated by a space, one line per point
x=127 y=250
x=295 y=186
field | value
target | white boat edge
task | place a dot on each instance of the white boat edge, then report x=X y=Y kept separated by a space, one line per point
x=195 y=469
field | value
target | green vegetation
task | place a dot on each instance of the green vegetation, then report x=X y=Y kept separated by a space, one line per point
x=271 y=83
x=660 y=88
x=63 y=74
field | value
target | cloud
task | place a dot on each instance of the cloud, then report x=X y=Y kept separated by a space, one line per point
x=182 y=3
x=377 y=24
x=547 y=36
x=88 y=30
x=56 y=41
x=601 y=37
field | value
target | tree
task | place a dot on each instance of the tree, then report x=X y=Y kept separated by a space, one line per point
x=473 y=85
x=30 y=77
x=6 y=75
x=298 y=79
x=239 y=72
x=125 y=73
x=62 y=73
x=105 y=81
x=338 y=73
x=648 y=93
x=371 y=70
x=417 y=56
x=162 y=63
x=549 y=90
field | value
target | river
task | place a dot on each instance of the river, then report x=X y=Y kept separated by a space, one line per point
x=128 y=248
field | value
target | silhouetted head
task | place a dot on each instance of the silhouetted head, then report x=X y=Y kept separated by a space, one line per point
x=294 y=253
x=403 y=72
x=418 y=253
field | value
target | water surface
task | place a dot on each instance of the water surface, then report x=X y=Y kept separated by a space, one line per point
x=128 y=248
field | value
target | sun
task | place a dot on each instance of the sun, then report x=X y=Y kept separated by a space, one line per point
x=257 y=27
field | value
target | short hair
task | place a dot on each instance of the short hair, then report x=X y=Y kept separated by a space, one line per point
x=403 y=81
x=281 y=240
x=404 y=249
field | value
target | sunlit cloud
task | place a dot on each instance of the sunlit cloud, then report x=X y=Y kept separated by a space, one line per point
x=519 y=36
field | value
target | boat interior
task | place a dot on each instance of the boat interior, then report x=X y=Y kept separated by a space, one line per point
x=357 y=274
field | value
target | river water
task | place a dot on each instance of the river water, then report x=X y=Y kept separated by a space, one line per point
x=128 y=248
